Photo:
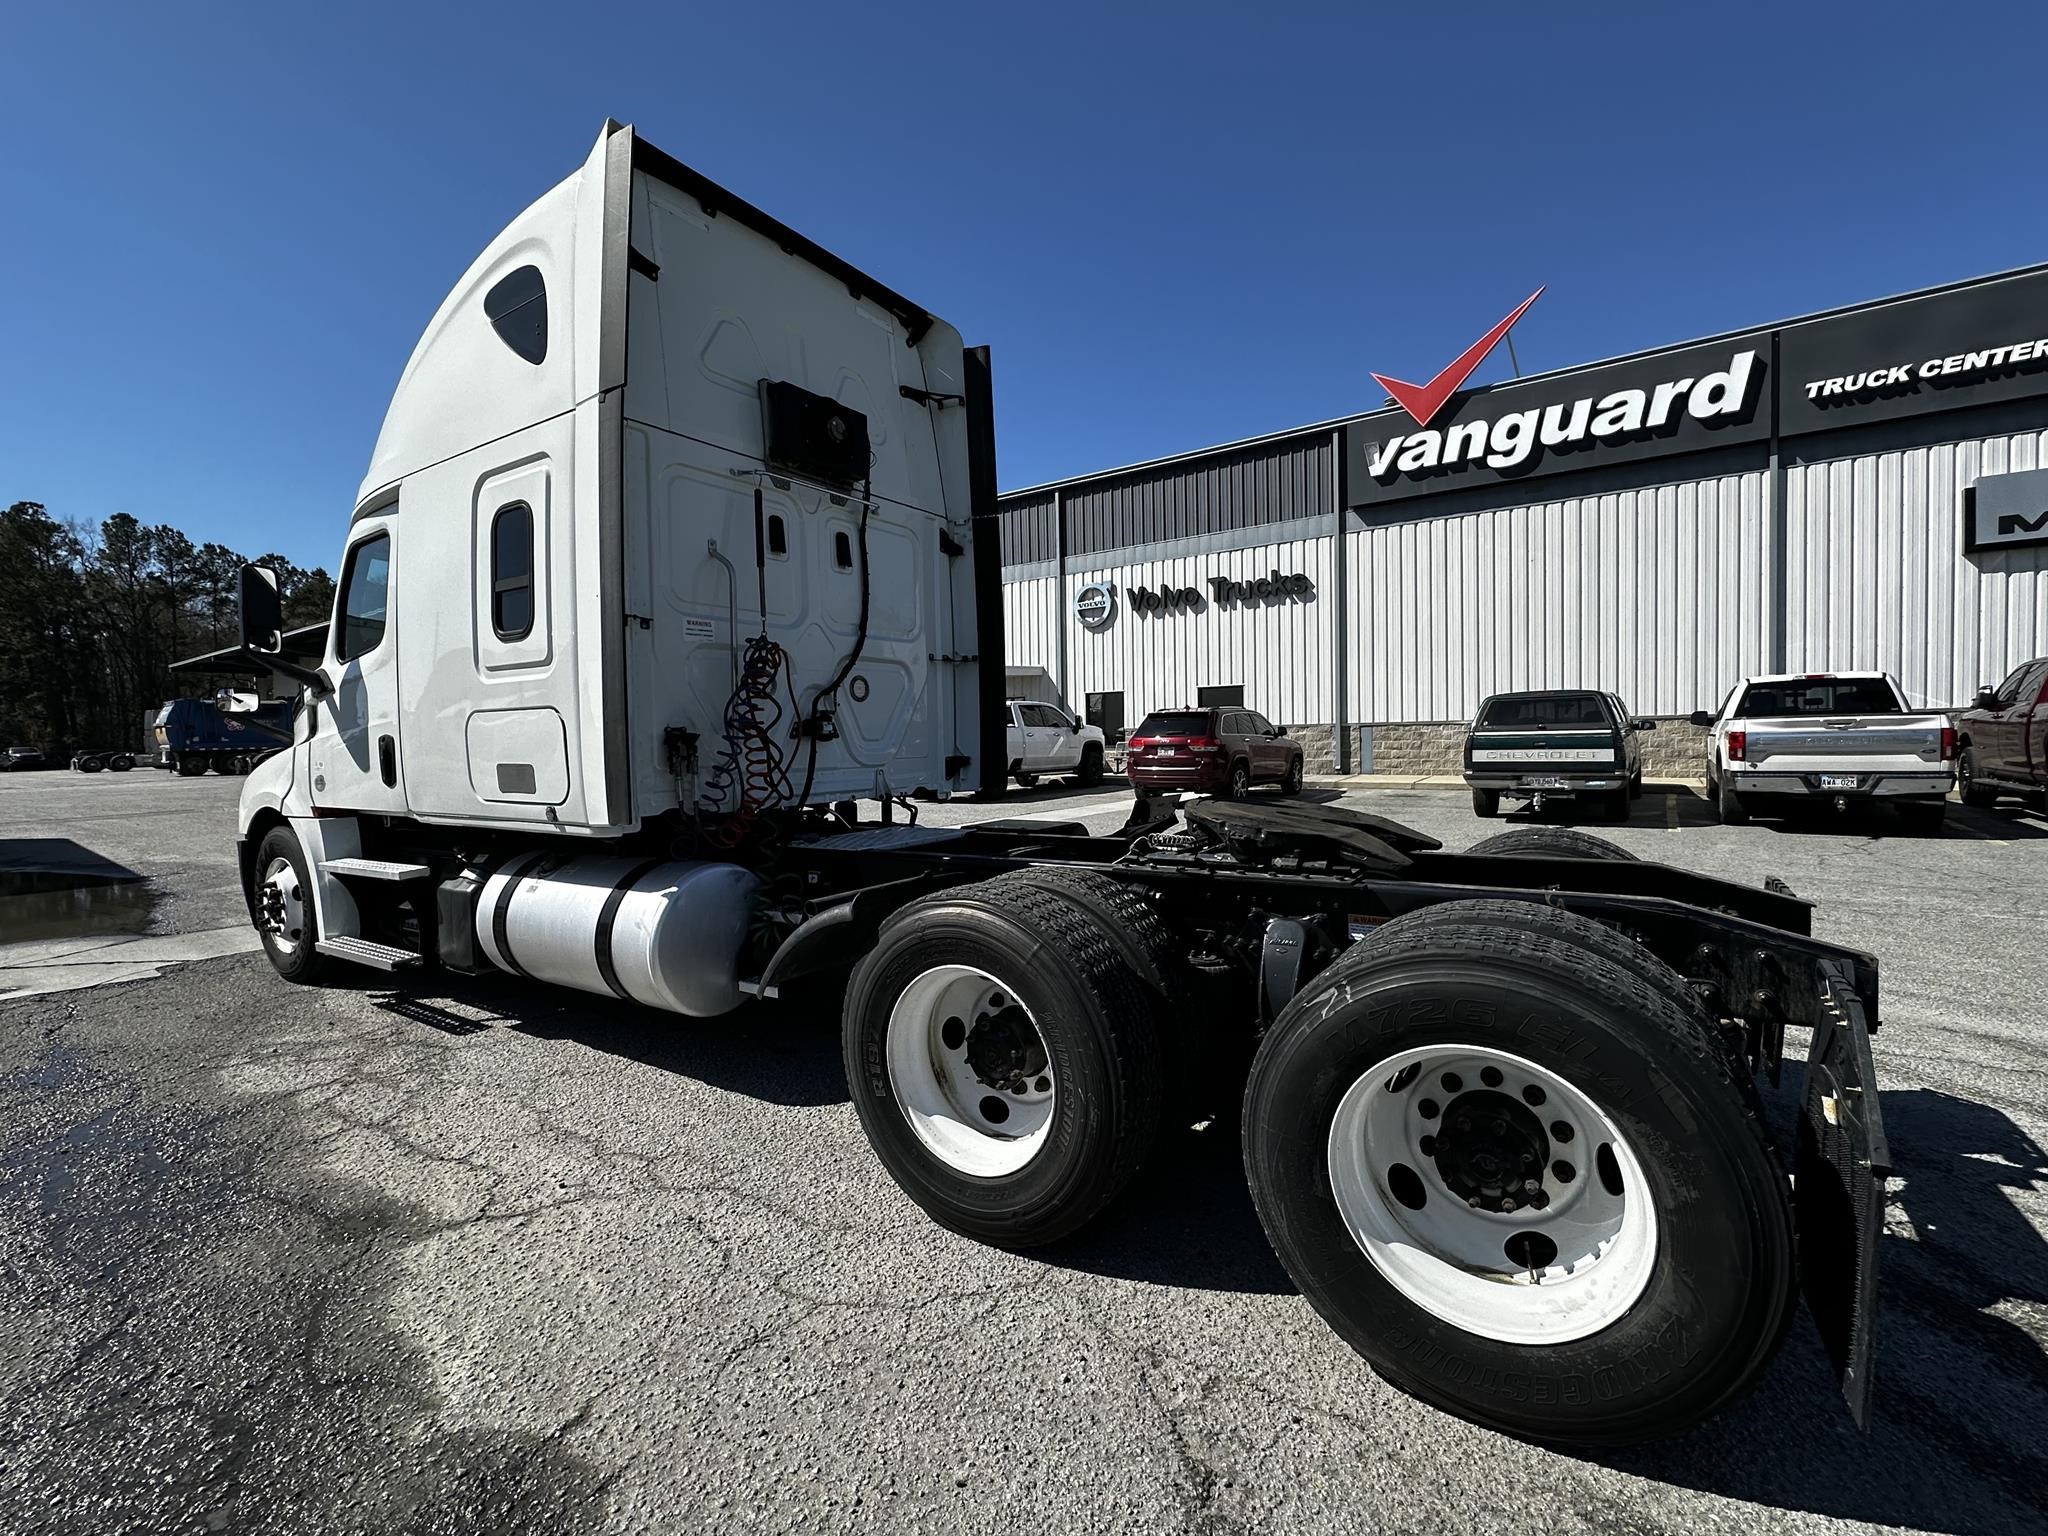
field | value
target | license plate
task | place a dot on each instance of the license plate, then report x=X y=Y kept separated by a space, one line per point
x=1545 y=783
x=1162 y=751
x=1839 y=781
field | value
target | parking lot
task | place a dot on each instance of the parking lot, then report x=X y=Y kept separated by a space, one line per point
x=472 y=1256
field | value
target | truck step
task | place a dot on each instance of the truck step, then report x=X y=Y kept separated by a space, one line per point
x=379 y=957
x=374 y=869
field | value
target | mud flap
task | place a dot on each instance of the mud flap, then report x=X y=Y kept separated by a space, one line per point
x=1840 y=1192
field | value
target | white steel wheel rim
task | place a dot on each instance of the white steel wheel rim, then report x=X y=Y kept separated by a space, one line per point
x=1452 y=1259
x=283 y=905
x=984 y=1120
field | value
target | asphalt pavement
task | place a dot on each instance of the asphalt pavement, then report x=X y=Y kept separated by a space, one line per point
x=481 y=1257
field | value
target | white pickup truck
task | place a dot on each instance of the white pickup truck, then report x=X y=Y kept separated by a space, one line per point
x=1045 y=739
x=1827 y=738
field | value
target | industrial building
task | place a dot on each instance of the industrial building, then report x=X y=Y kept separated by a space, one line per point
x=1860 y=488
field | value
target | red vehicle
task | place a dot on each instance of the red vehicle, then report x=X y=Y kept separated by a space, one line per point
x=1223 y=750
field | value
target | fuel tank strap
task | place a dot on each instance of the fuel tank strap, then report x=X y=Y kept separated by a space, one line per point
x=501 y=913
x=602 y=944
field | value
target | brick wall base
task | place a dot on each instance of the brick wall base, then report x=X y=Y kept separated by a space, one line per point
x=1677 y=749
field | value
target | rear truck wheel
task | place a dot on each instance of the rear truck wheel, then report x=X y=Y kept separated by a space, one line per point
x=1982 y=796
x=1550 y=843
x=1523 y=1182
x=1091 y=764
x=1635 y=785
x=89 y=765
x=284 y=907
x=1924 y=818
x=1240 y=780
x=121 y=762
x=1485 y=802
x=1004 y=1056
x=1291 y=785
x=1615 y=806
x=188 y=766
x=1205 y=1069
x=1025 y=780
x=1729 y=805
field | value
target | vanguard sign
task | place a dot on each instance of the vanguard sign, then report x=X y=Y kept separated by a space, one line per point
x=1677 y=402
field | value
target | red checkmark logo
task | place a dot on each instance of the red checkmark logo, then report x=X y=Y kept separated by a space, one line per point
x=1423 y=401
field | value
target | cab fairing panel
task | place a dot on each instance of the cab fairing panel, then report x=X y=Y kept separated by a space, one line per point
x=729 y=309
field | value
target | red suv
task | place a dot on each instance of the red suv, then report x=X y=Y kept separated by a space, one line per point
x=1220 y=751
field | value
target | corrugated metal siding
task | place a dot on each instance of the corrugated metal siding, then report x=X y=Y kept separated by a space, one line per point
x=1029 y=531
x=1031 y=614
x=1279 y=650
x=1268 y=485
x=1876 y=575
x=1657 y=594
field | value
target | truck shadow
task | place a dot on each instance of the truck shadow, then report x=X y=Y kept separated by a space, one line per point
x=1187 y=1219
x=785 y=1053
x=1961 y=1387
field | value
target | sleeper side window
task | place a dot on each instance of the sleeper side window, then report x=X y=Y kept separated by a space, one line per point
x=365 y=589
x=512 y=572
x=517 y=307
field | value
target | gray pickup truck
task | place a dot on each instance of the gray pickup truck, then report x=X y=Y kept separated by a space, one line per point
x=1555 y=744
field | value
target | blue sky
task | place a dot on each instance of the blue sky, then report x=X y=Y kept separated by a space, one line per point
x=226 y=226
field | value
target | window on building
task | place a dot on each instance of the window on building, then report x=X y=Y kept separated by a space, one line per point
x=512 y=572
x=1231 y=693
x=1106 y=714
x=365 y=589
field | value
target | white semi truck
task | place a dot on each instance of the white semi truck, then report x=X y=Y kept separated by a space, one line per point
x=671 y=592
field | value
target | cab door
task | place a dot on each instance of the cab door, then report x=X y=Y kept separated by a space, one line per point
x=355 y=745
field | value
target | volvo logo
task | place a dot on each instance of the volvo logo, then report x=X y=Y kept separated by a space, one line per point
x=1095 y=604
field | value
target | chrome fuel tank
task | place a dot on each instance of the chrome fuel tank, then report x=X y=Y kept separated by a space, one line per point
x=667 y=934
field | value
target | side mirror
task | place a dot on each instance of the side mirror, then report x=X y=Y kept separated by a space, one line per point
x=1074 y=726
x=262 y=611
x=1700 y=718
x=1279 y=730
x=1986 y=699
x=1644 y=724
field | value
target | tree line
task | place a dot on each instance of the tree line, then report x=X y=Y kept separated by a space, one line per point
x=92 y=618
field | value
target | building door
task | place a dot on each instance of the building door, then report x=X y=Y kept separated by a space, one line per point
x=1229 y=693
x=1106 y=714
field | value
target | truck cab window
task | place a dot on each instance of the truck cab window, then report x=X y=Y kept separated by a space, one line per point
x=365 y=585
x=517 y=307
x=512 y=572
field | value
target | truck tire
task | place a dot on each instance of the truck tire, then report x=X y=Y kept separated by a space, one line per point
x=88 y=765
x=1615 y=807
x=1661 y=1184
x=1091 y=764
x=1025 y=780
x=1550 y=843
x=1022 y=1139
x=121 y=762
x=188 y=766
x=1486 y=802
x=1206 y=1066
x=1974 y=793
x=1728 y=805
x=1596 y=938
x=283 y=901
